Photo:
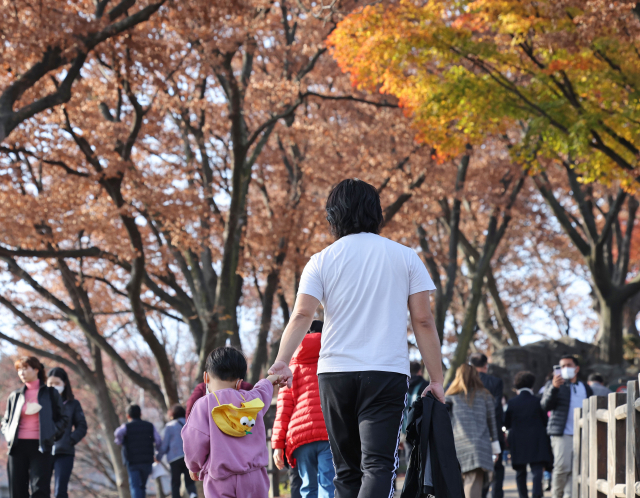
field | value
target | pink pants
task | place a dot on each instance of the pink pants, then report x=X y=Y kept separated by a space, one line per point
x=252 y=485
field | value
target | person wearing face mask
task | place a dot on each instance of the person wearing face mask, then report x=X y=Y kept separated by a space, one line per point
x=64 y=450
x=562 y=395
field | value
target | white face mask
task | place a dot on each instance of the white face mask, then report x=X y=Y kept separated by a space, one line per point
x=60 y=389
x=568 y=373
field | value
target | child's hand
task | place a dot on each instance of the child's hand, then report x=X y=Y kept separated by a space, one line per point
x=194 y=476
x=277 y=379
x=278 y=458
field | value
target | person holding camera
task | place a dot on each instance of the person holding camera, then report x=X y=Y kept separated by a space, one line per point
x=562 y=395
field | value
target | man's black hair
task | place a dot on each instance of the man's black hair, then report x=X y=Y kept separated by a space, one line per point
x=226 y=363
x=595 y=377
x=178 y=411
x=576 y=362
x=478 y=360
x=353 y=206
x=316 y=326
x=524 y=379
x=414 y=368
x=134 y=412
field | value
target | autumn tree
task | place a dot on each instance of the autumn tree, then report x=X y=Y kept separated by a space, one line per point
x=559 y=74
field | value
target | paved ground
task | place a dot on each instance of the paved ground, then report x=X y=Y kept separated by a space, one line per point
x=510 y=489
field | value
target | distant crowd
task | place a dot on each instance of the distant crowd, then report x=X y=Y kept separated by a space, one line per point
x=539 y=427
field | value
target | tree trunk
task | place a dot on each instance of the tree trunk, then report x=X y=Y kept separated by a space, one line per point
x=629 y=315
x=261 y=355
x=610 y=332
x=109 y=423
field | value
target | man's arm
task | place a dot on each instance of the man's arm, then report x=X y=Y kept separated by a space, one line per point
x=119 y=434
x=297 y=327
x=424 y=330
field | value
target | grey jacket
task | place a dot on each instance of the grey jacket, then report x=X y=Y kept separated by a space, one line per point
x=75 y=431
x=53 y=420
x=474 y=428
x=172 y=441
x=557 y=401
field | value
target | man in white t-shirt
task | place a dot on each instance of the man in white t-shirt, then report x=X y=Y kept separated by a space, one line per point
x=364 y=282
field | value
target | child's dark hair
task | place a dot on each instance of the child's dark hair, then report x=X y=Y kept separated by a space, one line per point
x=226 y=364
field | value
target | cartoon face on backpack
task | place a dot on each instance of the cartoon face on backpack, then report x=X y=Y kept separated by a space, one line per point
x=237 y=422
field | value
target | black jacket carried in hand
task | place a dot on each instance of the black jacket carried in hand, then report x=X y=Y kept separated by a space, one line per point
x=429 y=431
x=527 y=422
x=76 y=429
x=53 y=420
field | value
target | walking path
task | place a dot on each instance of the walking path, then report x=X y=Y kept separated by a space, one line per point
x=509 y=487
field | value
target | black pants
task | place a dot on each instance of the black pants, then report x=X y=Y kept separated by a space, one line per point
x=27 y=466
x=497 y=481
x=363 y=413
x=62 y=467
x=295 y=483
x=179 y=468
x=521 y=479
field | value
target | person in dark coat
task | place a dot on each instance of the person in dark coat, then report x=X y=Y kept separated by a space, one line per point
x=495 y=386
x=65 y=448
x=528 y=441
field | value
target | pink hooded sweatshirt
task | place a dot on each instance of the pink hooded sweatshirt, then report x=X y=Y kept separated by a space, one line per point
x=213 y=454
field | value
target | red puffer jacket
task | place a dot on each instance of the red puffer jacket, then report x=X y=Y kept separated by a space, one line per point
x=299 y=417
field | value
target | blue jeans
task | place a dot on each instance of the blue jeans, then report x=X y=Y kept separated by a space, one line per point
x=62 y=467
x=138 y=475
x=315 y=466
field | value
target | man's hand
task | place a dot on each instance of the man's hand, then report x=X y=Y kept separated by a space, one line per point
x=278 y=458
x=282 y=369
x=436 y=389
x=557 y=381
x=194 y=476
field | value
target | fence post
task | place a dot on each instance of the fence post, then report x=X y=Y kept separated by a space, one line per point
x=584 y=457
x=615 y=444
x=577 y=435
x=632 y=394
x=598 y=448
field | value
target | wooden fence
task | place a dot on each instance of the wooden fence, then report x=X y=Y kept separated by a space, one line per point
x=605 y=440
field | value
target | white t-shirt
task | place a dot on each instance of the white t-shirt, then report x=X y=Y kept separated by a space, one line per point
x=578 y=393
x=364 y=282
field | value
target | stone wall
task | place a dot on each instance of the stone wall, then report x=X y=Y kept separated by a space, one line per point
x=540 y=357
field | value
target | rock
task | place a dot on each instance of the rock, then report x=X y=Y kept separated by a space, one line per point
x=540 y=357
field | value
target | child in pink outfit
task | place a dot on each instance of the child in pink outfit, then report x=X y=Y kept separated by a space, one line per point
x=231 y=462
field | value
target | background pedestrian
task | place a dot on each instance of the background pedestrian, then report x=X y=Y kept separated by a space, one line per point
x=526 y=421
x=137 y=438
x=495 y=386
x=596 y=382
x=172 y=448
x=473 y=418
x=33 y=421
x=65 y=447
x=561 y=397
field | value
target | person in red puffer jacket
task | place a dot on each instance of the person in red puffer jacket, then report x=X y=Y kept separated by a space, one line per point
x=299 y=431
